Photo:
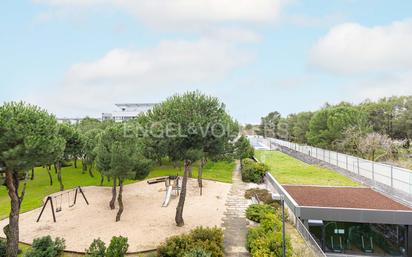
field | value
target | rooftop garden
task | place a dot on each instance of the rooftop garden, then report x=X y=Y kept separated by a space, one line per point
x=288 y=170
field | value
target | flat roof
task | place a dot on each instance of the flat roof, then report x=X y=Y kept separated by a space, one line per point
x=342 y=197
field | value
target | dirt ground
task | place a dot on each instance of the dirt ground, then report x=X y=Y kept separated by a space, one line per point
x=144 y=221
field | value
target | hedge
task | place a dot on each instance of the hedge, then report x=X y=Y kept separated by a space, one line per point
x=253 y=171
x=265 y=240
x=201 y=241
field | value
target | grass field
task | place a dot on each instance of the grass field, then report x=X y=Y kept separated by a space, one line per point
x=40 y=187
x=288 y=170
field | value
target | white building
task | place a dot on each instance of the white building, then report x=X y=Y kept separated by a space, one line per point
x=127 y=111
x=69 y=120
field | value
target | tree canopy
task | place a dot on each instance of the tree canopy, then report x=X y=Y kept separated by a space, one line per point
x=29 y=137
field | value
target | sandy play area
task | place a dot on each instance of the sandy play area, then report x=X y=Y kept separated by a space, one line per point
x=144 y=221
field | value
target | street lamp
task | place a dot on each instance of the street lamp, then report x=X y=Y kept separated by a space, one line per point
x=281 y=198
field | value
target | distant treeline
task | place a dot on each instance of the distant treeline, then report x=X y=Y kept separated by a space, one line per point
x=382 y=127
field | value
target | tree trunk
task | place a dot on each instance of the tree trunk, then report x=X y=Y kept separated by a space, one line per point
x=23 y=190
x=55 y=168
x=84 y=166
x=120 y=201
x=59 y=174
x=113 y=194
x=179 y=209
x=12 y=229
x=75 y=163
x=190 y=171
x=90 y=170
x=48 y=167
x=200 y=174
x=102 y=180
x=32 y=174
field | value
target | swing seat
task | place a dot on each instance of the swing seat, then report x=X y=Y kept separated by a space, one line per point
x=58 y=209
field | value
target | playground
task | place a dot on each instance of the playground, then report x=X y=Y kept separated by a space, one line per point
x=146 y=219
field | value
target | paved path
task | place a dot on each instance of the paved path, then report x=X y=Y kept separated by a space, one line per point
x=235 y=223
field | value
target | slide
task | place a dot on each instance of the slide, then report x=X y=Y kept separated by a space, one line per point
x=167 y=197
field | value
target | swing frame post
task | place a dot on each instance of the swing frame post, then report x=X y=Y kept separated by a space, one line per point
x=49 y=199
x=79 y=189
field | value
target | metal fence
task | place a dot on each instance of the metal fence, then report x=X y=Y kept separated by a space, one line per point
x=309 y=238
x=395 y=177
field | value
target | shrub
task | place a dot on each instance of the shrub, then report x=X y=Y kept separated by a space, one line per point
x=175 y=246
x=256 y=211
x=265 y=240
x=253 y=171
x=96 y=249
x=2 y=248
x=118 y=247
x=207 y=234
x=264 y=196
x=209 y=240
x=46 y=247
x=198 y=252
x=264 y=244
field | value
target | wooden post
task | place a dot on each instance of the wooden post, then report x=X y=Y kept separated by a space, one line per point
x=49 y=199
x=81 y=191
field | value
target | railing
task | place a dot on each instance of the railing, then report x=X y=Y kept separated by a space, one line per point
x=273 y=185
x=309 y=238
x=395 y=177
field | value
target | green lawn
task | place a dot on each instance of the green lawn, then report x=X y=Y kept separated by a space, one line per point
x=38 y=188
x=288 y=170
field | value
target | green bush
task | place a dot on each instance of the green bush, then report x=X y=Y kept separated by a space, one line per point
x=265 y=240
x=2 y=248
x=256 y=211
x=96 y=249
x=253 y=171
x=46 y=247
x=198 y=252
x=209 y=240
x=264 y=244
x=118 y=247
x=264 y=196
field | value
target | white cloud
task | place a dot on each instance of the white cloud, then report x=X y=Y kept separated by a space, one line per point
x=351 y=48
x=138 y=75
x=184 y=14
x=381 y=86
x=314 y=21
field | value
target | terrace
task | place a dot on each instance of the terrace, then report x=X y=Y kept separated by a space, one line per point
x=343 y=216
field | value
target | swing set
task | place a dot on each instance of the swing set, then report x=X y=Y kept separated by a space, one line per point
x=58 y=199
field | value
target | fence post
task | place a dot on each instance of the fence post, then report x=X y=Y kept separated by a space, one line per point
x=324 y=157
x=391 y=176
x=357 y=159
x=329 y=156
x=373 y=171
x=337 y=159
x=316 y=149
x=347 y=167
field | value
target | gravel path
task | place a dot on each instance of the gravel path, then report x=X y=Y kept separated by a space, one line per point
x=235 y=222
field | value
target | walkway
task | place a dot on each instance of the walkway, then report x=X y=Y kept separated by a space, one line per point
x=235 y=223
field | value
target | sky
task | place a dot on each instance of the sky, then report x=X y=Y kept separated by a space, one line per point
x=78 y=58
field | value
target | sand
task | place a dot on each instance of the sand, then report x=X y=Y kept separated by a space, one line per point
x=144 y=221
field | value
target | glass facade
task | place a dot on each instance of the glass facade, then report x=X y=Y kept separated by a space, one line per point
x=361 y=238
